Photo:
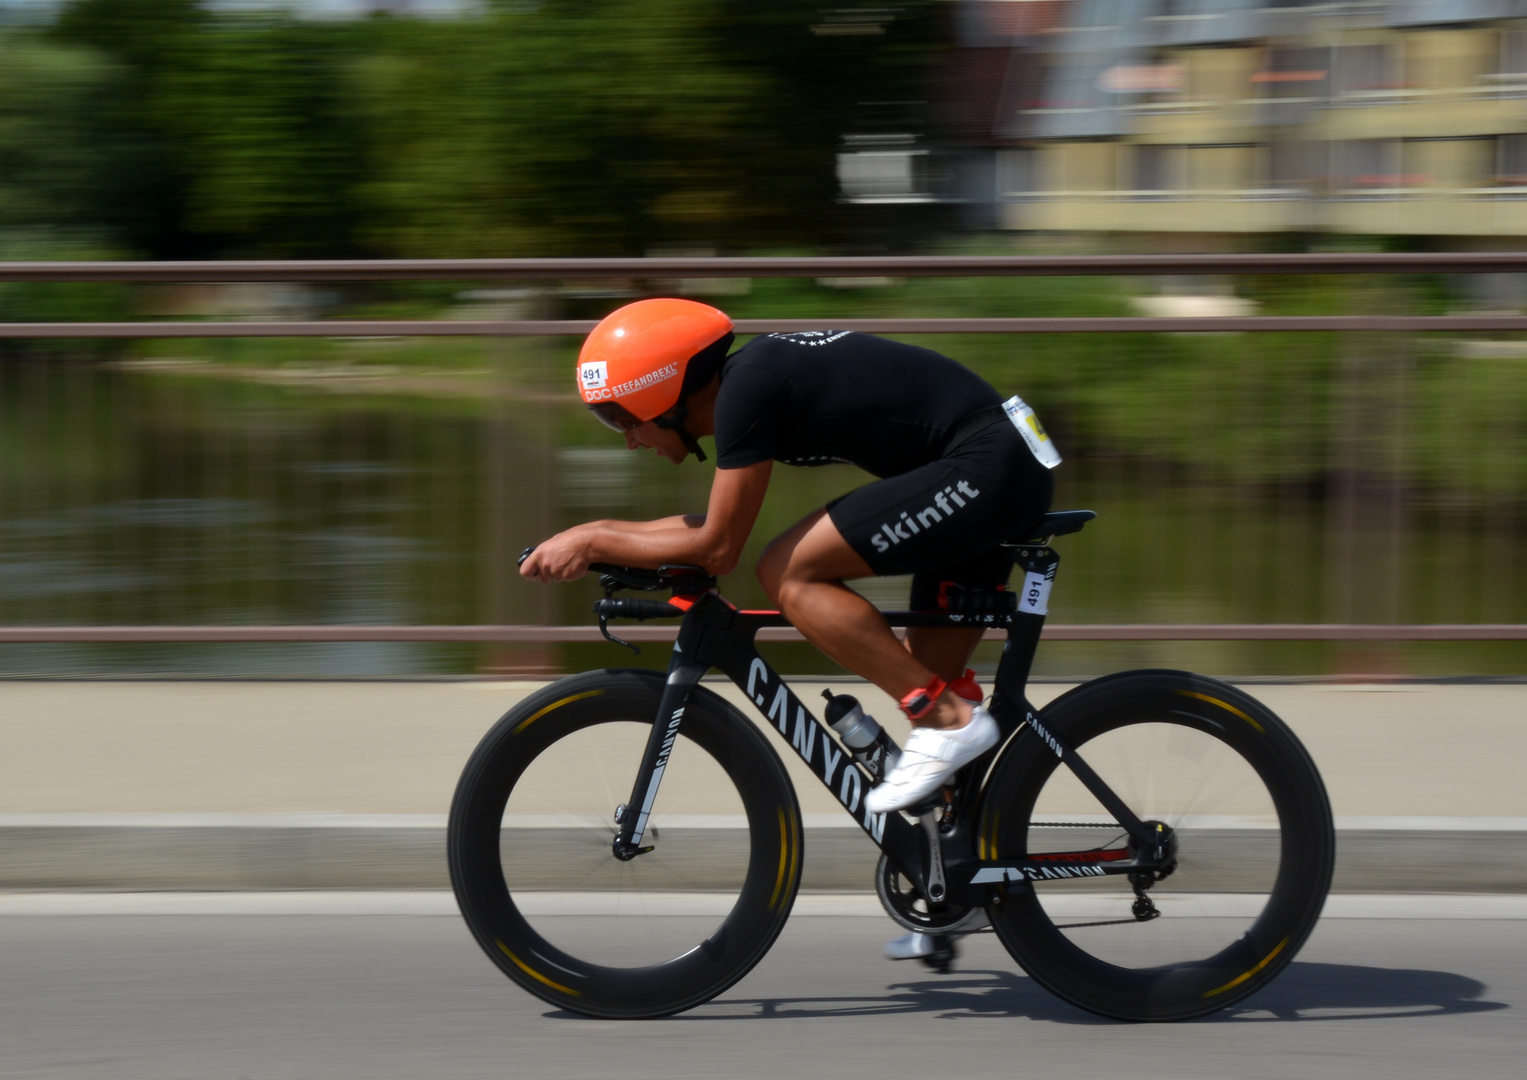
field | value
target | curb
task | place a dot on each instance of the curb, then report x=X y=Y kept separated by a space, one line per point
x=277 y=852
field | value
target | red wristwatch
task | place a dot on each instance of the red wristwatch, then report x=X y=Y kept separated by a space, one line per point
x=920 y=702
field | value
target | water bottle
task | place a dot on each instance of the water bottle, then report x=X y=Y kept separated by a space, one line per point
x=866 y=740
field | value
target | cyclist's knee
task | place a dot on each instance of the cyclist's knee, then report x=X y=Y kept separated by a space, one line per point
x=789 y=590
x=778 y=561
x=781 y=574
x=771 y=569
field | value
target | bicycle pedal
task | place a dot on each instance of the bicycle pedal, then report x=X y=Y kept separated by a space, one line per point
x=941 y=958
x=912 y=946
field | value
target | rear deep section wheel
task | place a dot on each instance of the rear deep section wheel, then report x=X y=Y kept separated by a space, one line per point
x=1238 y=798
x=530 y=853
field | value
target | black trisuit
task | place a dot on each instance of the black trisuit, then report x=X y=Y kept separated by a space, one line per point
x=957 y=478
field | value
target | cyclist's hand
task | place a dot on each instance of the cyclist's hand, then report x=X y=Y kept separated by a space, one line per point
x=562 y=558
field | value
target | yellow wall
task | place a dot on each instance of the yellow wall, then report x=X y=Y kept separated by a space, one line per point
x=1080 y=166
x=1445 y=119
x=1448 y=59
x=1219 y=75
x=1221 y=168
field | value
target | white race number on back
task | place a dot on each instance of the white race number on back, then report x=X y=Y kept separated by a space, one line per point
x=1032 y=430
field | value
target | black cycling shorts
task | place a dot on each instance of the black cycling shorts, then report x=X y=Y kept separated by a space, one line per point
x=944 y=521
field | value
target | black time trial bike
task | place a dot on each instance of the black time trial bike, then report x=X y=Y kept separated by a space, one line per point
x=1151 y=845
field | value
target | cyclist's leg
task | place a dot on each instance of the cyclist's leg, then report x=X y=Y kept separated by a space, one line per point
x=943 y=652
x=802 y=570
x=947 y=651
x=943 y=514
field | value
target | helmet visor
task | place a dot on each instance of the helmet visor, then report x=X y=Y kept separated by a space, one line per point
x=614 y=415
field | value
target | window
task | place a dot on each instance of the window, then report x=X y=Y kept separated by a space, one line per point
x=1513 y=53
x=1017 y=173
x=1294 y=73
x=1369 y=165
x=1511 y=160
x=1297 y=165
x=1511 y=78
x=883 y=169
x=1368 y=71
x=1158 y=169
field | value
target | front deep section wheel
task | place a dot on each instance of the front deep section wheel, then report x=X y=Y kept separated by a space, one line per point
x=1247 y=862
x=531 y=861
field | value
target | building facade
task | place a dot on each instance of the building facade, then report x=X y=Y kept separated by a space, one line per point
x=1403 y=117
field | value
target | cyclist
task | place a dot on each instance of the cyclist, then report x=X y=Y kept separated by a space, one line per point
x=957 y=477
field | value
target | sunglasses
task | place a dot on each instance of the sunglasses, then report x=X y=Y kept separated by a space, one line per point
x=615 y=416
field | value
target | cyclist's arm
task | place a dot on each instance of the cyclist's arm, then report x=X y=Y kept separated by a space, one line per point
x=678 y=521
x=714 y=540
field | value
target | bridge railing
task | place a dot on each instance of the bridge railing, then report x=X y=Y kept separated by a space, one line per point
x=661 y=269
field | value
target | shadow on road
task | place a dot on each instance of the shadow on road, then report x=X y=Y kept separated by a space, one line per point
x=1303 y=992
x=961 y=994
x=1351 y=992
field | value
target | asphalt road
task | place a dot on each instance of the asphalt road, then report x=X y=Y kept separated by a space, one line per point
x=377 y=997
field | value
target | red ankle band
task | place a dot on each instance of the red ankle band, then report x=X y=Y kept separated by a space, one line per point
x=919 y=703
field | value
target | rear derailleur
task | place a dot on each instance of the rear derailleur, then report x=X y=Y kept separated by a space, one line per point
x=1164 y=855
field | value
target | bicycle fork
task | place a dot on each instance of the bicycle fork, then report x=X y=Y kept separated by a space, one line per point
x=684 y=675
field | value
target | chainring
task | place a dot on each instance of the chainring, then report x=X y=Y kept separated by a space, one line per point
x=908 y=909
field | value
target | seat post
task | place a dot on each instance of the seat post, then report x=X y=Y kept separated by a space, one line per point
x=1038 y=561
x=1038 y=565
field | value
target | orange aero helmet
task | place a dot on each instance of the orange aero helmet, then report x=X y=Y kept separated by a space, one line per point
x=645 y=358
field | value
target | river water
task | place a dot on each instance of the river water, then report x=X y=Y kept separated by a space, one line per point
x=173 y=494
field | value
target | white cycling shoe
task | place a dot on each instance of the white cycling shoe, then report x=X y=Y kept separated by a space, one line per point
x=931 y=756
x=913 y=946
x=920 y=946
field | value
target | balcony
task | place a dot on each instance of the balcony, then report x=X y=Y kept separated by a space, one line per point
x=1481 y=211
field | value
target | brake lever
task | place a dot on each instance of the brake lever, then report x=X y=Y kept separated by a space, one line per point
x=610 y=585
x=604 y=628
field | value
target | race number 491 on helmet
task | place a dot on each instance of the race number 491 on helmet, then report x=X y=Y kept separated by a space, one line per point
x=644 y=359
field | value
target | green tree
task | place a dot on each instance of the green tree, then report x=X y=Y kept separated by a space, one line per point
x=611 y=126
x=138 y=170
x=265 y=112
x=48 y=170
x=569 y=126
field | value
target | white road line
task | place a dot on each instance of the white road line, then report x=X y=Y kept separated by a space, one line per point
x=223 y=821
x=440 y=903
x=1344 y=822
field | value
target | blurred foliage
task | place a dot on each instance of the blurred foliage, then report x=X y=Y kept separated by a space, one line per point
x=1469 y=443
x=1254 y=409
x=576 y=127
x=48 y=95
x=152 y=495
x=158 y=128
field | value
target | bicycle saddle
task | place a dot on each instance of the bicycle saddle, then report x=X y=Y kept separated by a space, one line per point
x=1051 y=525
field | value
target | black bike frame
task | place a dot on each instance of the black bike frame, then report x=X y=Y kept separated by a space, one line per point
x=714 y=634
